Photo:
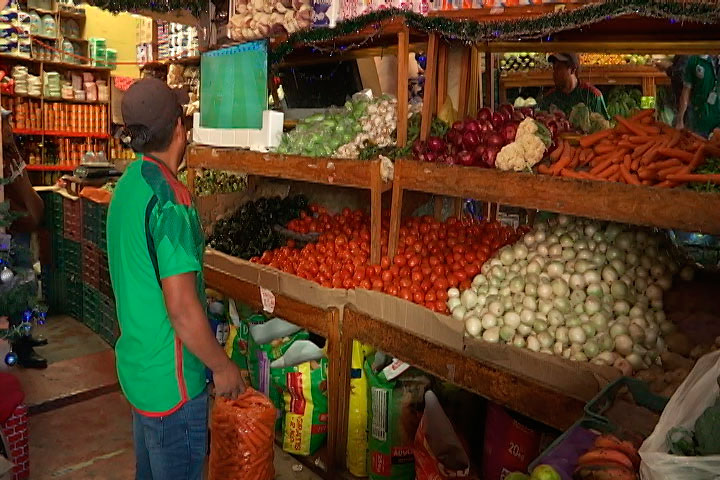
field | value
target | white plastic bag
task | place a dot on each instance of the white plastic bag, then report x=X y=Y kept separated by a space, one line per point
x=698 y=392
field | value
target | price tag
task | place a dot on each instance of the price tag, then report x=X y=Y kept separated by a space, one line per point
x=268 y=300
x=559 y=7
x=497 y=10
x=395 y=369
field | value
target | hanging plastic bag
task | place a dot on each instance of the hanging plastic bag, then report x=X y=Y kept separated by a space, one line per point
x=699 y=391
x=241 y=443
x=439 y=454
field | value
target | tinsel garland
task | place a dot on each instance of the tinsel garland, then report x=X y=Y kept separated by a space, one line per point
x=471 y=31
x=196 y=7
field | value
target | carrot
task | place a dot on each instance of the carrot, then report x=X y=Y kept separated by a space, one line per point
x=635 y=164
x=601 y=166
x=698 y=159
x=712 y=150
x=643 y=114
x=544 y=169
x=630 y=125
x=666 y=184
x=564 y=161
x=672 y=162
x=608 y=172
x=646 y=173
x=603 y=148
x=641 y=149
x=662 y=174
x=592 y=139
x=675 y=139
x=639 y=140
x=566 y=172
x=646 y=182
x=589 y=158
x=695 y=177
x=649 y=156
x=555 y=155
x=615 y=176
x=651 y=130
x=627 y=162
x=676 y=153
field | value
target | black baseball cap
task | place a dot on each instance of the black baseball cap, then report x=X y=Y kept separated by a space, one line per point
x=150 y=102
x=570 y=58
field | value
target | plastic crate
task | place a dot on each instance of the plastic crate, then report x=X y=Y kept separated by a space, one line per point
x=105 y=284
x=108 y=323
x=90 y=265
x=639 y=390
x=72 y=219
x=90 y=221
x=71 y=257
x=90 y=306
x=72 y=296
x=102 y=227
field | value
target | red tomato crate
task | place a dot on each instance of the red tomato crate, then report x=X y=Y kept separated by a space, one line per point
x=91 y=265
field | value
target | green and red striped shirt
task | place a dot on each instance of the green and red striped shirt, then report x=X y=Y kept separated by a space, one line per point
x=153 y=233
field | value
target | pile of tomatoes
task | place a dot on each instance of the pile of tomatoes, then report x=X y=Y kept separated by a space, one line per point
x=432 y=256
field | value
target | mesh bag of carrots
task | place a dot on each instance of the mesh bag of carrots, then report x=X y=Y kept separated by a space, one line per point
x=242 y=436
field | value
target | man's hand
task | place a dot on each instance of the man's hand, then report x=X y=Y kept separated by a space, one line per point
x=228 y=381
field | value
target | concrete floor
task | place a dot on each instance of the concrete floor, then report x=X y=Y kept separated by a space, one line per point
x=80 y=424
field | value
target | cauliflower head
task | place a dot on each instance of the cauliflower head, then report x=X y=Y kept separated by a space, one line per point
x=533 y=149
x=511 y=157
x=526 y=127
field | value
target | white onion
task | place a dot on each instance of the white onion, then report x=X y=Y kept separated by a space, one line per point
x=636 y=361
x=559 y=287
x=555 y=269
x=577 y=335
x=533 y=343
x=496 y=308
x=524 y=329
x=530 y=303
x=609 y=274
x=489 y=321
x=520 y=251
x=453 y=293
x=507 y=333
x=653 y=292
x=519 y=341
x=591 y=349
x=545 y=290
x=664 y=282
x=561 y=335
x=529 y=240
x=579 y=357
x=452 y=303
x=606 y=358
x=577 y=281
x=511 y=319
x=491 y=335
x=623 y=345
x=621 y=307
x=592 y=276
x=527 y=316
x=473 y=326
x=637 y=333
x=469 y=299
x=589 y=329
x=599 y=321
x=507 y=257
x=517 y=284
x=539 y=326
x=567 y=254
x=592 y=305
x=545 y=339
x=459 y=313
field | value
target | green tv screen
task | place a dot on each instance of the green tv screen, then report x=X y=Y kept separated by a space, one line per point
x=233 y=86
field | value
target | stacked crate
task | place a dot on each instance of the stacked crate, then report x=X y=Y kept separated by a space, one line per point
x=77 y=280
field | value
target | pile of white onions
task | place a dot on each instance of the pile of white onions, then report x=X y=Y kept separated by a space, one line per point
x=575 y=288
x=378 y=124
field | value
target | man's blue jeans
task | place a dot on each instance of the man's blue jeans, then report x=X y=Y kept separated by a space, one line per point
x=172 y=447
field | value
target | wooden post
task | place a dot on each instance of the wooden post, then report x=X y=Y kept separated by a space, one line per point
x=375 y=213
x=334 y=389
x=402 y=85
x=442 y=76
x=439 y=203
x=396 y=208
x=464 y=82
x=343 y=372
x=430 y=86
x=489 y=82
x=191 y=172
x=475 y=88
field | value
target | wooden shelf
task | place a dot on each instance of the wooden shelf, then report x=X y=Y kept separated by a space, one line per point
x=665 y=208
x=510 y=389
x=324 y=170
x=61 y=65
x=164 y=63
x=63 y=100
x=50 y=168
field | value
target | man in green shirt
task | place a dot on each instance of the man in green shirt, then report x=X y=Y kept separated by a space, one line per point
x=701 y=88
x=569 y=91
x=155 y=252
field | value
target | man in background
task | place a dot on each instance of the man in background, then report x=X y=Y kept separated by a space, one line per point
x=23 y=200
x=569 y=90
x=155 y=255
x=699 y=95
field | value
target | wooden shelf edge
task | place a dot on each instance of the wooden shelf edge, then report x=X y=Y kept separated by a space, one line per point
x=509 y=389
x=301 y=314
x=329 y=171
x=651 y=206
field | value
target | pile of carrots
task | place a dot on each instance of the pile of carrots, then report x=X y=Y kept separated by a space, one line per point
x=637 y=151
x=609 y=459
